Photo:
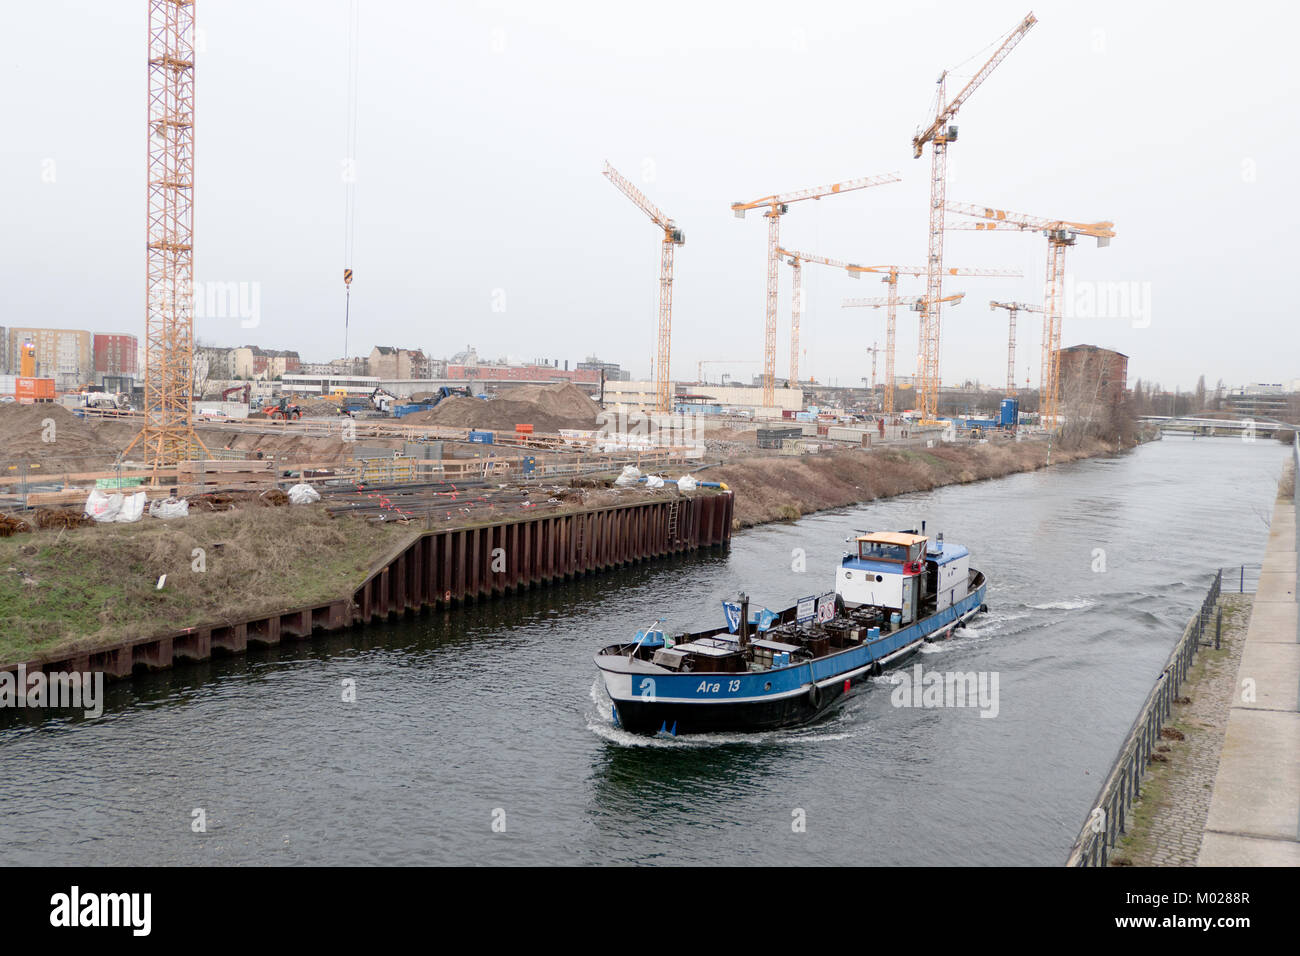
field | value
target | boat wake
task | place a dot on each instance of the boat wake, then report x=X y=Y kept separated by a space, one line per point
x=1075 y=605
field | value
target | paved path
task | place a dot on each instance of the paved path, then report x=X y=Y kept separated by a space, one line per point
x=1176 y=795
x=1254 y=817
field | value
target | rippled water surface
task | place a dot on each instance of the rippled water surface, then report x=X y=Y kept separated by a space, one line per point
x=494 y=711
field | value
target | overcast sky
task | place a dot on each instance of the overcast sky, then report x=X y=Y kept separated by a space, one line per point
x=482 y=129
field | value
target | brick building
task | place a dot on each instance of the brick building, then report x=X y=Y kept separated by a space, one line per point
x=115 y=355
x=1093 y=374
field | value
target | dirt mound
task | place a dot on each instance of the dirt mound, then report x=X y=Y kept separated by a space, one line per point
x=319 y=408
x=51 y=433
x=548 y=408
x=563 y=400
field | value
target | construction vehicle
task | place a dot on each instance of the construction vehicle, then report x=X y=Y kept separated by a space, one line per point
x=446 y=391
x=283 y=410
x=102 y=399
x=383 y=400
x=238 y=393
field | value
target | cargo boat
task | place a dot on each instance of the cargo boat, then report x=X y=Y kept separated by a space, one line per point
x=894 y=593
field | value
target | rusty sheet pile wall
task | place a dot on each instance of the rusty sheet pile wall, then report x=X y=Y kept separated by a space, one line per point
x=443 y=568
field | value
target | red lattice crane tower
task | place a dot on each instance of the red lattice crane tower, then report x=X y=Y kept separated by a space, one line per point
x=168 y=435
x=672 y=237
x=778 y=206
x=939 y=134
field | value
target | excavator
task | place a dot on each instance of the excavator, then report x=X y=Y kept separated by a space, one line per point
x=238 y=393
x=283 y=410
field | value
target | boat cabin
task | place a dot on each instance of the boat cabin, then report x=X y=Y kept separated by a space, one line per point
x=904 y=573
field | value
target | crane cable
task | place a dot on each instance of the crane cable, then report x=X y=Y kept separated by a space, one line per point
x=350 y=166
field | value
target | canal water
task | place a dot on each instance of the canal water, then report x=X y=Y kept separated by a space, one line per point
x=480 y=735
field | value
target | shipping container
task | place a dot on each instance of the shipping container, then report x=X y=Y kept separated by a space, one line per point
x=401 y=411
x=481 y=438
x=32 y=390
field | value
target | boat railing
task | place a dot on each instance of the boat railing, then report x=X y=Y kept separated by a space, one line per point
x=1107 y=821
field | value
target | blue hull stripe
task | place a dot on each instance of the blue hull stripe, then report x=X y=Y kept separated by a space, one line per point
x=707 y=688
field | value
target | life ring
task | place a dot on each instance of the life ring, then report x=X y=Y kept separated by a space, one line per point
x=814 y=695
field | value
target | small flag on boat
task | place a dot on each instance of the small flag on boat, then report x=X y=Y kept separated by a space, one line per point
x=733 y=615
x=766 y=619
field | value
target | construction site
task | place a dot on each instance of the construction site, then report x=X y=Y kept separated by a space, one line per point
x=829 y=435
x=410 y=478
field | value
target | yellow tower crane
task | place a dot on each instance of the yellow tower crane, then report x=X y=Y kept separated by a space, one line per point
x=939 y=134
x=168 y=435
x=777 y=206
x=1012 y=308
x=796 y=260
x=672 y=237
x=890 y=275
x=892 y=302
x=1061 y=234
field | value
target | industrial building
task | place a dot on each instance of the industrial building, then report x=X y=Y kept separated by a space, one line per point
x=640 y=396
x=613 y=371
x=1093 y=373
x=1260 y=400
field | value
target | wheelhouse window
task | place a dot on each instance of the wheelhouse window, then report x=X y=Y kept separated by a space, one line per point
x=878 y=551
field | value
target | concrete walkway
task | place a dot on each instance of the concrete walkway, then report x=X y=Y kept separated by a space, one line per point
x=1254 y=817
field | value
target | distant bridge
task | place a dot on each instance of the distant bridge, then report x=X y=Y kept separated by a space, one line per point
x=1187 y=425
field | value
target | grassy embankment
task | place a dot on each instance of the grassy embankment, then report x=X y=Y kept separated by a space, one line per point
x=77 y=589
x=777 y=489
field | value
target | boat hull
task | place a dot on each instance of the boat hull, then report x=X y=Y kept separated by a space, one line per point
x=650 y=701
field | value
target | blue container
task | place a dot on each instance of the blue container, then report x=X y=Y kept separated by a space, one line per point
x=481 y=438
x=530 y=465
x=1009 y=413
x=401 y=410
